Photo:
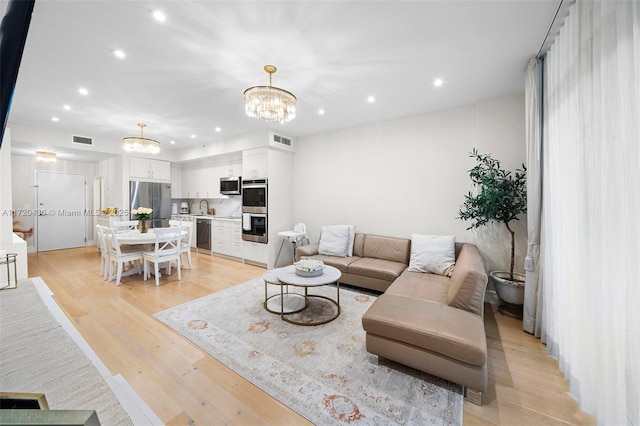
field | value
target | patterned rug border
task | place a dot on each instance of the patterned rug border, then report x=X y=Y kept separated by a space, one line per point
x=190 y=321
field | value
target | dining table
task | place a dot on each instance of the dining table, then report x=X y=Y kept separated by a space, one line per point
x=135 y=237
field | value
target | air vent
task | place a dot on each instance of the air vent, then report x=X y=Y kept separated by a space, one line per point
x=280 y=141
x=82 y=140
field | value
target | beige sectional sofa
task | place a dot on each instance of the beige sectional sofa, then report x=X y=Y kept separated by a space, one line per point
x=430 y=322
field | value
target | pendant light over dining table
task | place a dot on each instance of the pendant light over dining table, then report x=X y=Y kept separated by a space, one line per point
x=140 y=144
x=269 y=103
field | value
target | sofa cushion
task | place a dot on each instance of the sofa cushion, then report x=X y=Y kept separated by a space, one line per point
x=387 y=248
x=377 y=268
x=439 y=328
x=418 y=285
x=433 y=253
x=336 y=240
x=342 y=263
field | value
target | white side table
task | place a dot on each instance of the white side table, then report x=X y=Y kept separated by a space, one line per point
x=7 y=259
x=292 y=236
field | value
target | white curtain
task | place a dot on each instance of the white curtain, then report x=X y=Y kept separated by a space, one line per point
x=532 y=309
x=591 y=208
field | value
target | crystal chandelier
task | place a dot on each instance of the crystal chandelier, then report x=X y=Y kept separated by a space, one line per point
x=46 y=156
x=141 y=144
x=270 y=103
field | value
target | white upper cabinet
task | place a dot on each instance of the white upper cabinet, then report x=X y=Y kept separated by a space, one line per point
x=254 y=163
x=176 y=189
x=147 y=169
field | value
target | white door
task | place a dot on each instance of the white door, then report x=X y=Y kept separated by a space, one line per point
x=61 y=201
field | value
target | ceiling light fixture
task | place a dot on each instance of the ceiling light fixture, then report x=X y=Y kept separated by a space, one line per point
x=438 y=82
x=268 y=103
x=141 y=144
x=46 y=156
x=83 y=91
x=119 y=54
x=159 y=15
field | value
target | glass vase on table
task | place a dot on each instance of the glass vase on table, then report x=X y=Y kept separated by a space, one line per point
x=142 y=226
x=142 y=214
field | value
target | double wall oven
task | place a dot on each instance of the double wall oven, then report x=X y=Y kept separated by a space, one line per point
x=254 y=210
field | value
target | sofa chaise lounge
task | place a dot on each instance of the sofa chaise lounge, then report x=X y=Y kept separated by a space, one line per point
x=430 y=322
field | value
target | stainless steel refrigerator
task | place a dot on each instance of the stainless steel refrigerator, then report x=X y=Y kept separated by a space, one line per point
x=156 y=196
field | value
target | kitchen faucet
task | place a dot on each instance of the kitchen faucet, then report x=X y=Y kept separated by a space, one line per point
x=207 y=210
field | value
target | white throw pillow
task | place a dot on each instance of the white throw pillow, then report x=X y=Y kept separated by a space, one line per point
x=352 y=237
x=336 y=240
x=433 y=253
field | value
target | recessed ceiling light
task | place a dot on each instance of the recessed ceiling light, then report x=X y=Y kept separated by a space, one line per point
x=158 y=15
x=55 y=119
x=119 y=54
x=320 y=112
x=172 y=142
x=438 y=82
x=218 y=129
x=371 y=99
x=83 y=91
x=193 y=136
x=67 y=107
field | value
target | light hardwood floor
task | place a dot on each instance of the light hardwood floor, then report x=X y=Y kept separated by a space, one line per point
x=185 y=386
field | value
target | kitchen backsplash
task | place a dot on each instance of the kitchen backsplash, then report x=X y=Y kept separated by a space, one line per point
x=231 y=206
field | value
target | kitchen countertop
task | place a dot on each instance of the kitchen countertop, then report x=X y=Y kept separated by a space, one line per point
x=210 y=216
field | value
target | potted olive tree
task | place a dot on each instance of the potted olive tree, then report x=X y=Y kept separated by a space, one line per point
x=501 y=197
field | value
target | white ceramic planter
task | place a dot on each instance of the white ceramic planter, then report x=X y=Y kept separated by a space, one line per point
x=509 y=291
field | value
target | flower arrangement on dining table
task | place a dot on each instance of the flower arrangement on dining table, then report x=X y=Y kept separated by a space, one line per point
x=142 y=214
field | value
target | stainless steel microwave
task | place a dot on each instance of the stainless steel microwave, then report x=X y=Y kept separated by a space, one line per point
x=231 y=185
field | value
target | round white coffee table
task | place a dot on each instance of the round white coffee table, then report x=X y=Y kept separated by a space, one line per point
x=283 y=301
x=288 y=276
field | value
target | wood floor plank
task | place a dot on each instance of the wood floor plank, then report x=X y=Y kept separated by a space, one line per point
x=185 y=386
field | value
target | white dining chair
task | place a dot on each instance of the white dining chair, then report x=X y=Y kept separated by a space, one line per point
x=125 y=225
x=118 y=255
x=185 y=241
x=104 y=251
x=166 y=250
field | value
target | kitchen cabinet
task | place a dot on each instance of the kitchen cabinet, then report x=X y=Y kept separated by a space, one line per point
x=195 y=182
x=236 y=238
x=254 y=252
x=176 y=189
x=145 y=168
x=254 y=163
x=226 y=237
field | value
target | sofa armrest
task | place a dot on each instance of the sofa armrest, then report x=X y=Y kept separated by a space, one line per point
x=308 y=250
x=468 y=281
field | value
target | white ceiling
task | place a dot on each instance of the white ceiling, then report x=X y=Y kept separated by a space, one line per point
x=187 y=75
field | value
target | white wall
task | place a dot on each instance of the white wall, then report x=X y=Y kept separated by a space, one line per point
x=408 y=175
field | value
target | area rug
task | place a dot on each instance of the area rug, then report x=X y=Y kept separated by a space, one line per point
x=322 y=372
x=38 y=356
